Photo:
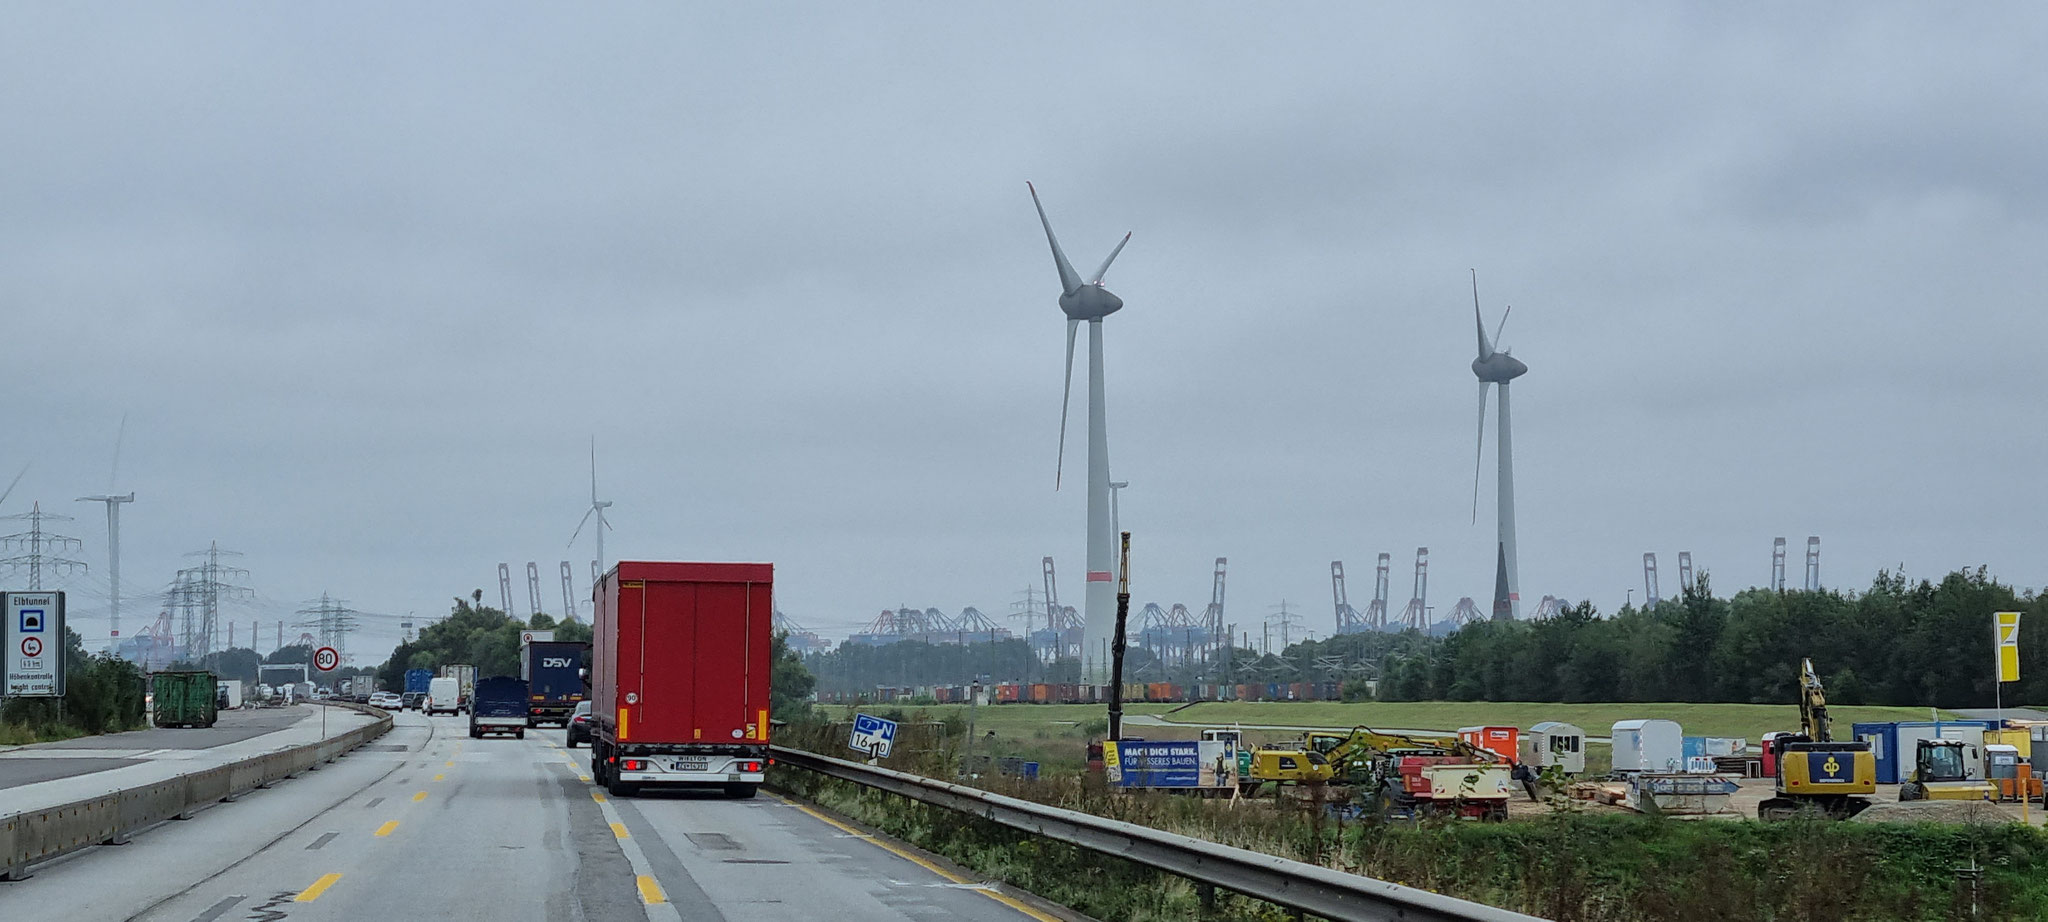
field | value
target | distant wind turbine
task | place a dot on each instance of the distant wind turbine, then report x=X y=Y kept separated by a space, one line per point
x=597 y=508
x=1498 y=368
x=1087 y=300
x=114 y=504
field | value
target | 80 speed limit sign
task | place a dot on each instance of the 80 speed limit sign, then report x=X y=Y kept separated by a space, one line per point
x=326 y=658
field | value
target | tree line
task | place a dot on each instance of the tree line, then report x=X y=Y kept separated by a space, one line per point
x=473 y=634
x=1898 y=643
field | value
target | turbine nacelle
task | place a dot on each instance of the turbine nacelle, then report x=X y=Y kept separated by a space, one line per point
x=1499 y=368
x=1090 y=302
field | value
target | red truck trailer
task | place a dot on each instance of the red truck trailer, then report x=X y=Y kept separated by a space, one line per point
x=679 y=676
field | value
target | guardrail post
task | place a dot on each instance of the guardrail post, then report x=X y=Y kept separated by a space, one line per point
x=1207 y=893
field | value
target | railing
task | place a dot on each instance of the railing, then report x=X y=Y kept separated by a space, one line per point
x=34 y=836
x=1292 y=884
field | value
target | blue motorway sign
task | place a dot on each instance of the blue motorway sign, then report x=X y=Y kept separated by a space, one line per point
x=872 y=736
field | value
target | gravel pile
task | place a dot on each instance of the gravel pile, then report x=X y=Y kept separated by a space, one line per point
x=1940 y=811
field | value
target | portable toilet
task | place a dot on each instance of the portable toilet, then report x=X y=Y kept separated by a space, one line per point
x=1884 y=748
x=1770 y=751
x=1648 y=745
x=1501 y=741
x=1554 y=742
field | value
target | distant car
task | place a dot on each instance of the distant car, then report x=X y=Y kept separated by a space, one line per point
x=579 y=724
x=322 y=694
x=411 y=700
x=384 y=699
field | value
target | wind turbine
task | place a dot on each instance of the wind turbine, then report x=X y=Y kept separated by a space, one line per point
x=597 y=508
x=113 y=531
x=1088 y=300
x=1498 y=368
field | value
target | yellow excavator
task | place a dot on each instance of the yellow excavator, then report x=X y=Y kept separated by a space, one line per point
x=1399 y=774
x=1940 y=773
x=1815 y=771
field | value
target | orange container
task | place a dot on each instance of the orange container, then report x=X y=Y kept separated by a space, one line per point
x=1501 y=741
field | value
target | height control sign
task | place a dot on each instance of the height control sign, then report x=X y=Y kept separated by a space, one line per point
x=33 y=639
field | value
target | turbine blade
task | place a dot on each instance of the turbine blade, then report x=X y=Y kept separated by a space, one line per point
x=1479 y=453
x=1069 y=279
x=1503 y=324
x=115 y=473
x=1066 y=395
x=593 y=469
x=24 y=468
x=602 y=521
x=1104 y=270
x=579 y=526
x=1485 y=348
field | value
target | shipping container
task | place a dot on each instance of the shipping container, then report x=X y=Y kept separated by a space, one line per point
x=184 y=699
x=680 y=675
x=1008 y=693
x=416 y=681
x=1159 y=691
x=1648 y=746
x=1501 y=741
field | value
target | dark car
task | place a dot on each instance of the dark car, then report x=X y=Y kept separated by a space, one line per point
x=579 y=724
x=411 y=700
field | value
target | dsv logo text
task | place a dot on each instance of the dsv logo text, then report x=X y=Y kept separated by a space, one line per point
x=554 y=662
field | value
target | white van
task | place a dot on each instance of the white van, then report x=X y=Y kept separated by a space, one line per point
x=444 y=696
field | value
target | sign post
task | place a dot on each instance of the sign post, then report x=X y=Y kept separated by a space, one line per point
x=325 y=659
x=32 y=641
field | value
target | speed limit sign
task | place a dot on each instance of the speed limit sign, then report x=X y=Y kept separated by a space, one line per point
x=326 y=658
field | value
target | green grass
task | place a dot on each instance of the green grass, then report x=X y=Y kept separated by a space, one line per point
x=1749 y=721
x=22 y=735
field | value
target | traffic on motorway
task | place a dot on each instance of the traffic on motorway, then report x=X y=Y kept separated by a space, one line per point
x=659 y=821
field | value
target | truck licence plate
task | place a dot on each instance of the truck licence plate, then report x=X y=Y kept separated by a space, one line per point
x=692 y=764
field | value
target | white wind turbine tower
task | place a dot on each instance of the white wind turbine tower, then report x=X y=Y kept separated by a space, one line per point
x=113 y=534
x=1498 y=368
x=1088 y=300
x=597 y=508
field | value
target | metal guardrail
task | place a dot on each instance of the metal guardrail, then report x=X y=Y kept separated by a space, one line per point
x=1293 y=884
x=34 y=836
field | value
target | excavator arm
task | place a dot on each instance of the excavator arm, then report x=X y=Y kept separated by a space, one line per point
x=1813 y=705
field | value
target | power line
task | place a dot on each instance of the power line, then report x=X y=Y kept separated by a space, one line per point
x=42 y=547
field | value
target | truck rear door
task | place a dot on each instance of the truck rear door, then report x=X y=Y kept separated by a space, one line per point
x=696 y=669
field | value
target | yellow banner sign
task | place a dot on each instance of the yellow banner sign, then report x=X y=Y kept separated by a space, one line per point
x=2007 y=625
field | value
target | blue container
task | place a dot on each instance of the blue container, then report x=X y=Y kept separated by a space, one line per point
x=1275 y=691
x=1030 y=771
x=1691 y=747
x=1884 y=747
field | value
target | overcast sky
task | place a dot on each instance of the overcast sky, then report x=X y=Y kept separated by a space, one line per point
x=366 y=280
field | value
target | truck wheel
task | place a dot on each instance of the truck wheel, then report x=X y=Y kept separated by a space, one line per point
x=519 y=734
x=620 y=788
x=739 y=791
x=570 y=743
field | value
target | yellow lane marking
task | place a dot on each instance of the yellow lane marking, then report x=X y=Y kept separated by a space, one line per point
x=451 y=763
x=597 y=797
x=650 y=892
x=440 y=776
x=319 y=886
x=387 y=829
x=619 y=829
x=584 y=778
x=922 y=862
x=416 y=798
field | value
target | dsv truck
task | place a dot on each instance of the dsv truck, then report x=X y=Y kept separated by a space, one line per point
x=679 y=676
x=553 y=670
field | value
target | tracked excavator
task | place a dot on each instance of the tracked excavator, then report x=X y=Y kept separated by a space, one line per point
x=1396 y=774
x=1815 y=771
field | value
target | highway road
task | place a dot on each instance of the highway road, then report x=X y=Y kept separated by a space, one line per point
x=426 y=823
x=21 y=765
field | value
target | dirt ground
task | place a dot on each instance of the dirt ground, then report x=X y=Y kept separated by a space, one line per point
x=1885 y=807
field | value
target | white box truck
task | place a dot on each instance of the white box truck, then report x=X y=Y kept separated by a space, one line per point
x=444 y=696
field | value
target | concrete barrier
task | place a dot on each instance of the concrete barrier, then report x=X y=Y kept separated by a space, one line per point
x=31 y=837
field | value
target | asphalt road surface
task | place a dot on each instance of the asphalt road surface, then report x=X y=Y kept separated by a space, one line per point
x=428 y=824
x=26 y=764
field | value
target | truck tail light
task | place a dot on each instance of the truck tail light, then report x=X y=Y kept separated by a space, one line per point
x=634 y=765
x=752 y=767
